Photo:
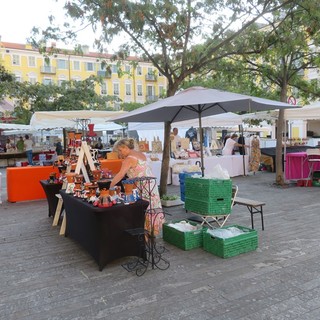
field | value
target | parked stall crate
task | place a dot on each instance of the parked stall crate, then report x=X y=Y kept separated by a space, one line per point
x=230 y=247
x=184 y=240
x=208 y=196
x=182 y=178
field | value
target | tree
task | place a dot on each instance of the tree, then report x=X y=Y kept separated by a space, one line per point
x=5 y=77
x=70 y=95
x=286 y=49
x=180 y=38
x=129 y=106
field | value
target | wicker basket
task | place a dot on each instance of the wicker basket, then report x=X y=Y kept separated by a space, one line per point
x=184 y=240
x=231 y=247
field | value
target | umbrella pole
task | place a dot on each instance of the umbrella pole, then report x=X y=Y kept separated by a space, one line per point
x=243 y=150
x=201 y=144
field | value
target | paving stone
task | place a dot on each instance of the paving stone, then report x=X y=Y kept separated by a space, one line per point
x=46 y=276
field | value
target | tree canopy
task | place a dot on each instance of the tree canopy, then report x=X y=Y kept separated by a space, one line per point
x=181 y=38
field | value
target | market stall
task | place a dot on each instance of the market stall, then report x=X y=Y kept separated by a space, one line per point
x=101 y=231
x=233 y=164
x=23 y=184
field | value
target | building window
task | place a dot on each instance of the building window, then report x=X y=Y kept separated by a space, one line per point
x=62 y=64
x=61 y=81
x=76 y=65
x=139 y=71
x=89 y=66
x=47 y=81
x=128 y=89
x=31 y=61
x=127 y=68
x=103 y=88
x=116 y=90
x=161 y=91
x=139 y=90
x=150 y=72
x=16 y=60
x=32 y=78
x=18 y=77
x=114 y=68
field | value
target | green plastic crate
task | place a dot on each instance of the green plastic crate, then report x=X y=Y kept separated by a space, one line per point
x=226 y=248
x=184 y=240
x=205 y=189
x=215 y=205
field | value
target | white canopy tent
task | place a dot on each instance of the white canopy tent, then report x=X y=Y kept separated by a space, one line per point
x=14 y=126
x=108 y=126
x=149 y=130
x=70 y=119
x=308 y=112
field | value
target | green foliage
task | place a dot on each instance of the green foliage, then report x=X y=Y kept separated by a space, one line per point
x=170 y=197
x=5 y=78
x=129 y=106
x=180 y=38
x=71 y=95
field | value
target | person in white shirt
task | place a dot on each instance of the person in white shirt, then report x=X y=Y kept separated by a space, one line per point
x=28 y=144
x=230 y=144
x=176 y=138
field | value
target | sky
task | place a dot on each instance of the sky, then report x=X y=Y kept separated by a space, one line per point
x=18 y=17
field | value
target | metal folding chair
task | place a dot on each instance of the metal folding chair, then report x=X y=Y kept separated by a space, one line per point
x=313 y=157
x=219 y=219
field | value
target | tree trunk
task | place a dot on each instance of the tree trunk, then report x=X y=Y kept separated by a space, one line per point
x=279 y=147
x=279 y=165
x=165 y=159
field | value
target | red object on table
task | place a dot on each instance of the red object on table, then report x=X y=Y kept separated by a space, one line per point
x=23 y=182
x=297 y=166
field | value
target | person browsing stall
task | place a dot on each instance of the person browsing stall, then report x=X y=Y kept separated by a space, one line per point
x=230 y=144
x=20 y=144
x=9 y=146
x=28 y=144
x=176 y=138
x=135 y=165
x=99 y=144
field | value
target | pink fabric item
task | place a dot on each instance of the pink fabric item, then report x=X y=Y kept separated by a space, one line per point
x=297 y=166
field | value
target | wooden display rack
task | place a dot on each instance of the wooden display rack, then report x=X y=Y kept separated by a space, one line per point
x=84 y=153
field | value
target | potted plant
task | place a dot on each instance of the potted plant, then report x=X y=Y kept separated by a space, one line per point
x=170 y=200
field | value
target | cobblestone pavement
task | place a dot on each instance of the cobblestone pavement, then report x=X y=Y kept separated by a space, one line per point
x=47 y=276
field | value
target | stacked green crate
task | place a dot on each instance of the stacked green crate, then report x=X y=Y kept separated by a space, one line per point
x=208 y=196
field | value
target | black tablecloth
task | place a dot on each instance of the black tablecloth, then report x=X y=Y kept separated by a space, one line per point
x=101 y=231
x=51 y=189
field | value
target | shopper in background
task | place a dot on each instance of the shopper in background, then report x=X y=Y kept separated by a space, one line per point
x=20 y=145
x=230 y=144
x=28 y=145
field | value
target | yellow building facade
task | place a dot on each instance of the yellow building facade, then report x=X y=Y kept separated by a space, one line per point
x=140 y=81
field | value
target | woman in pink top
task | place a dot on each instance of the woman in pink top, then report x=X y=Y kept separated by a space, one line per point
x=135 y=165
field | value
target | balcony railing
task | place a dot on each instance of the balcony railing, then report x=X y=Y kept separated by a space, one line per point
x=151 y=77
x=104 y=74
x=48 y=69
